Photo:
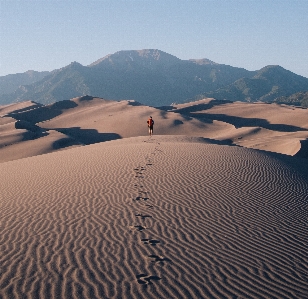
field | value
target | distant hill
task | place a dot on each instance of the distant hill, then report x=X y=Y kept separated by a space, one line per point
x=298 y=99
x=9 y=83
x=268 y=84
x=153 y=77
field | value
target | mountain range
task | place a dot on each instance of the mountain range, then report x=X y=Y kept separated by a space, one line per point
x=152 y=77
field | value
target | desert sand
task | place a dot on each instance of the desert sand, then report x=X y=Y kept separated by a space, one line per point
x=92 y=207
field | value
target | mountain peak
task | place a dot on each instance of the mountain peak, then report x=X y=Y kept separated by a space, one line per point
x=270 y=71
x=203 y=61
x=146 y=57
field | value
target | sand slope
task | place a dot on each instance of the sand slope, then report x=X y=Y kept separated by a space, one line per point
x=160 y=217
x=88 y=120
x=270 y=127
x=214 y=205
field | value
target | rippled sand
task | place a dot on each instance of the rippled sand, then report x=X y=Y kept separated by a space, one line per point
x=161 y=217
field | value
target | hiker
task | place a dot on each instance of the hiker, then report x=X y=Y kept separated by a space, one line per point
x=150 y=123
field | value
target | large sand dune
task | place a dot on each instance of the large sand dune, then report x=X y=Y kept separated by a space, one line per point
x=185 y=213
x=29 y=129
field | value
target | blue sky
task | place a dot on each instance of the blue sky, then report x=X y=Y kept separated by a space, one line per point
x=49 y=34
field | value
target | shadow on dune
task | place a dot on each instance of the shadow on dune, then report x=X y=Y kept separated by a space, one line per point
x=43 y=113
x=37 y=115
x=88 y=136
x=303 y=152
x=33 y=106
x=32 y=131
x=166 y=108
x=194 y=108
x=255 y=122
x=195 y=111
x=228 y=142
x=134 y=103
x=62 y=105
x=239 y=122
x=201 y=107
x=177 y=122
x=86 y=98
x=298 y=162
x=64 y=142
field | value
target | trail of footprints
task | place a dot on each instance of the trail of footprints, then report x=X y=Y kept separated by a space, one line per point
x=143 y=199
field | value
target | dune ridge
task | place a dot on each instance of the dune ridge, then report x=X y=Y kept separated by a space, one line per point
x=161 y=217
x=87 y=120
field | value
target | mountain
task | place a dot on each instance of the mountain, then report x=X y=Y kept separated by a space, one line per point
x=10 y=83
x=58 y=85
x=153 y=77
x=298 y=99
x=151 y=59
x=268 y=84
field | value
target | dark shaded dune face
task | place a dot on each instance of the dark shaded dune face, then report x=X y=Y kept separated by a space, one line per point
x=160 y=217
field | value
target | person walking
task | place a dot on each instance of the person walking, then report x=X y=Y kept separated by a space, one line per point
x=150 y=123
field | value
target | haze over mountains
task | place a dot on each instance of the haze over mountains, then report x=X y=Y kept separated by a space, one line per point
x=152 y=77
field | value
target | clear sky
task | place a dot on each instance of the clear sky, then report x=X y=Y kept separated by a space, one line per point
x=49 y=34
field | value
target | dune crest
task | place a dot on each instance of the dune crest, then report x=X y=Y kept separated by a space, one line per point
x=87 y=120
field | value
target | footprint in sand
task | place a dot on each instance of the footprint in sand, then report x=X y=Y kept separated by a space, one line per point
x=138 y=228
x=139 y=187
x=143 y=216
x=139 y=169
x=141 y=198
x=158 y=258
x=150 y=242
x=146 y=279
x=149 y=206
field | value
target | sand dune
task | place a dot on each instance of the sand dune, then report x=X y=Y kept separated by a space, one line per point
x=160 y=217
x=269 y=127
x=88 y=120
x=18 y=107
x=214 y=205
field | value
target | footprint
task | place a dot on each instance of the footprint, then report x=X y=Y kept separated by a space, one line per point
x=139 y=171
x=141 y=198
x=158 y=258
x=146 y=279
x=150 y=241
x=138 y=228
x=143 y=216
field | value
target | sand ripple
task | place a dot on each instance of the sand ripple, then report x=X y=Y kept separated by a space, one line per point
x=154 y=218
